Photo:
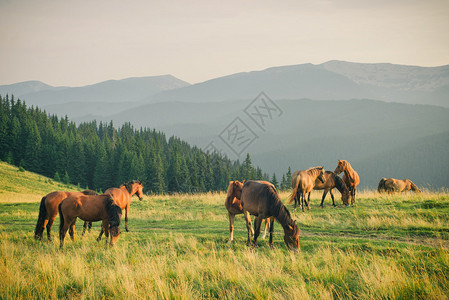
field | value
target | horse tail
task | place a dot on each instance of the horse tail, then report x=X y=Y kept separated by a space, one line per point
x=61 y=218
x=295 y=189
x=41 y=219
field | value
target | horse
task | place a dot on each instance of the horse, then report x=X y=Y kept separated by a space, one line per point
x=391 y=185
x=303 y=182
x=260 y=198
x=234 y=207
x=350 y=177
x=122 y=196
x=91 y=208
x=332 y=181
x=48 y=210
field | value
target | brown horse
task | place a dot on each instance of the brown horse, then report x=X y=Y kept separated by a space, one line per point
x=303 y=182
x=92 y=209
x=350 y=177
x=234 y=207
x=391 y=185
x=259 y=198
x=332 y=181
x=48 y=210
x=122 y=196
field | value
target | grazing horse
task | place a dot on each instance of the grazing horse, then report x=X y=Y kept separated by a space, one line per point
x=234 y=207
x=48 y=210
x=259 y=198
x=122 y=196
x=350 y=177
x=89 y=208
x=303 y=182
x=332 y=181
x=391 y=185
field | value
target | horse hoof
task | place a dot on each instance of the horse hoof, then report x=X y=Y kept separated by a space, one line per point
x=126 y=229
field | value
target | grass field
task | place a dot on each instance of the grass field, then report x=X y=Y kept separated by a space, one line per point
x=385 y=247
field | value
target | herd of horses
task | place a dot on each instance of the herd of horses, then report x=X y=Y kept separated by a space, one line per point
x=257 y=198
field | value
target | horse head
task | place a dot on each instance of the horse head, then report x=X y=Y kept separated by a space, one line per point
x=413 y=186
x=139 y=191
x=341 y=167
x=321 y=174
x=291 y=236
x=135 y=187
x=235 y=189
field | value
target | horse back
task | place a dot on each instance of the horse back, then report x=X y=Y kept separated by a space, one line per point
x=254 y=198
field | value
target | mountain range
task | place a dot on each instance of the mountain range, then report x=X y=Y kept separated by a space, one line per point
x=387 y=120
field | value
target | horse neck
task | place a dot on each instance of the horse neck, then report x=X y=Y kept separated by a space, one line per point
x=282 y=215
x=125 y=190
x=349 y=172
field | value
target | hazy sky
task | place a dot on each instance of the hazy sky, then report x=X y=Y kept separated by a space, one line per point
x=80 y=42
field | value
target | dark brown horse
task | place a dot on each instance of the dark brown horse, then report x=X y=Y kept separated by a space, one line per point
x=48 y=210
x=122 y=196
x=350 y=177
x=392 y=185
x=91 y=209
x=234 y=207
x=259 y=198
x=303 y=182
x=332 y=181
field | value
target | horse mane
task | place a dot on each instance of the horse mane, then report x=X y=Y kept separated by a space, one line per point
x=314 y=169
x=114 y=212
x=229 y=195
x=340 y=184
x=277 y=208
x=129 y=185
x=89 y=193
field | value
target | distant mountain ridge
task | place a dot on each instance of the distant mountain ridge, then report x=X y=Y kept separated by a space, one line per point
x=111 y=91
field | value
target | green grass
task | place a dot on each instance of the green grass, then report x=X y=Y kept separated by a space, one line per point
x=385 y=247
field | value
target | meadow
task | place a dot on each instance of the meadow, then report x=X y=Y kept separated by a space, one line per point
x=384 y=247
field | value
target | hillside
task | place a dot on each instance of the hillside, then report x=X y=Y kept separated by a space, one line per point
x=25 y=186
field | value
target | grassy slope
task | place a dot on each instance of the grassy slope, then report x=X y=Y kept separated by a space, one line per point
x=385 y=247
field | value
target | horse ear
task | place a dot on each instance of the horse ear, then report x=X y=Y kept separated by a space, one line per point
x=140 y=182
x=243 y=181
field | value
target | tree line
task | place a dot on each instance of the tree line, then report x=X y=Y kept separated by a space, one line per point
x=99 y=156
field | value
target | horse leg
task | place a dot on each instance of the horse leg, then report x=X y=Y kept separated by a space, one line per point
x=322 y=198
x=101 y=233
x=332 y=196
x=353 y=195
x=271 y=231
x=85 y=225
x=308 y=201
x=126 y=219
x=231 y=227
x=303 y=196
x=49 y=225
x=63 y=229
x=267 y=221
x=248 y=225
x=105 y=228
x=72 y=230
x=257 y=224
